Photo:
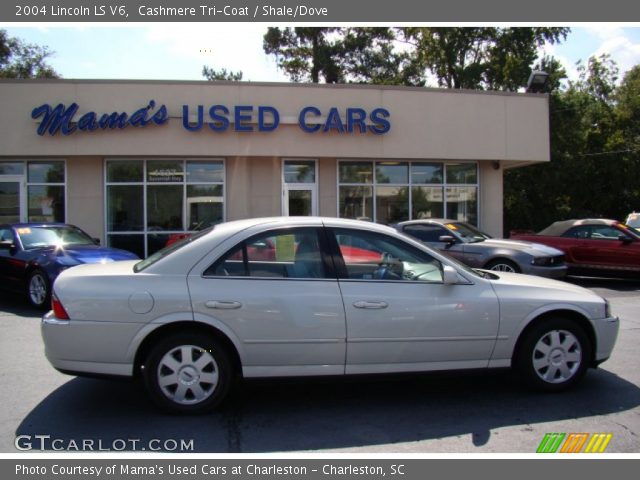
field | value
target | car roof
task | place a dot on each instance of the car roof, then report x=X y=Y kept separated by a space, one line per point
x=38 y=224
x=558 y=228
x=440 y=221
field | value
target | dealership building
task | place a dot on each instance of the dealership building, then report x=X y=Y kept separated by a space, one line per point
x=135 y=162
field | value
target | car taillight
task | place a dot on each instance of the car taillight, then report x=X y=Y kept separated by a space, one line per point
x=58 y=309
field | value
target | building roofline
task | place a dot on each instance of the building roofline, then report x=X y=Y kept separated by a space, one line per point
x=200 y=83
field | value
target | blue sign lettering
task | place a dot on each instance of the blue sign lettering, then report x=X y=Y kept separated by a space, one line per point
x=220 y=119
x=60 y=118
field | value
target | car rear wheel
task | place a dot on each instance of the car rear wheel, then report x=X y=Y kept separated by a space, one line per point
x=39 y=290
x=502 y=265
x=554 y=355
x=188 y=373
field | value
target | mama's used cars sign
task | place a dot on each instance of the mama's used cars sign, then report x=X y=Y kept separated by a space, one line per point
x=216 y=118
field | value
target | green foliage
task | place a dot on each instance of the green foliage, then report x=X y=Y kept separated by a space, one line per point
x=23 y=60
x=222 y=74
x=595 y=162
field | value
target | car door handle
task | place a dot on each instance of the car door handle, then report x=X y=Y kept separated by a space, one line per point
x=370 y=305
x=222 y=305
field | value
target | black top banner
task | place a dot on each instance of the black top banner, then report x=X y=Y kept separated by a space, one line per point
x=320 y=11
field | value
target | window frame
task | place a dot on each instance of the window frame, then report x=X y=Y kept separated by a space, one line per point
x=374 y=184
x=324 y=249
x=145 y=183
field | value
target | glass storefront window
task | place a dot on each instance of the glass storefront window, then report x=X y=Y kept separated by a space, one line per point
x=387 y=172
x=150 y=203
x=125 y=171
x=464 y=173
x=392 y=204
x=426 y=173
x=45 y=172
x=427 y=202
x=356 y=202
x=462 y=204
x=356 y=172
x=299 y=171
x=46 y=203
x=11 y=168
x=408 y=190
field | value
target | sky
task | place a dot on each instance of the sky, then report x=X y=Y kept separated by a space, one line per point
x=178 y=51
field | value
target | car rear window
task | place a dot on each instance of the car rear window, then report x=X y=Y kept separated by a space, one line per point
x=160 y=254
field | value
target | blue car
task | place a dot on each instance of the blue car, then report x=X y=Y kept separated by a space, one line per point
x=32 y=255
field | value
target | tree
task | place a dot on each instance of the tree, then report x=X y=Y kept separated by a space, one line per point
x=338 y=55
x=23 y=60
x=222 y=74
x=485 y=58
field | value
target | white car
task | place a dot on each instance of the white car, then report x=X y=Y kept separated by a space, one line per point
x=274 y=297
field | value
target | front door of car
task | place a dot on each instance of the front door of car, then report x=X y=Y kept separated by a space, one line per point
x=402 y=317
x=277 y=294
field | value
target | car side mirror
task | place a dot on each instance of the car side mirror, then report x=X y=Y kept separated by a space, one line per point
x=447 y=239
x=96 y=240
x=625 y=239
x=449 y=275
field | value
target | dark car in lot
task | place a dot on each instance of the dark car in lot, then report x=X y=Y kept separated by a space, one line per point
x=32 y=255
x=593 y=246
x=478 y=250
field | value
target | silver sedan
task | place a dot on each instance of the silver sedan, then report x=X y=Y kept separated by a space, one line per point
x=313 y=296
x=478 y=250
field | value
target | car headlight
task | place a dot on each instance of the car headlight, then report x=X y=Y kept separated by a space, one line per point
x=548 y=261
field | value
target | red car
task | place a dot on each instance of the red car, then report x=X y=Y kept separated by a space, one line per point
x=593 y=247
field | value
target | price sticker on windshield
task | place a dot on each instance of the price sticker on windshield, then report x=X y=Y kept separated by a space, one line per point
x=451 y=226
x=24 y=231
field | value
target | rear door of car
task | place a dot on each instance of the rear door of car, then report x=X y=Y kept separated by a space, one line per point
x=277 y=294
x=402 y=317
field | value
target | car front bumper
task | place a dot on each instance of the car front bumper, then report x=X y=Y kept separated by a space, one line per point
x=606 y=336
x=557 y=273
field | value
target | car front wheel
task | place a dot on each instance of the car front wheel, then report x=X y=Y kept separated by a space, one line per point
x=188 y=373
x=554 y=355
x=501 y=265
x=39 y=289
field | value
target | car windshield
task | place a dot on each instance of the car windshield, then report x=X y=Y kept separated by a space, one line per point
x=160 y=254
x=55 y=236
x=467 y=232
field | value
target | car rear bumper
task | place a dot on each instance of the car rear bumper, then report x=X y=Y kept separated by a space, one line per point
x=65 y=343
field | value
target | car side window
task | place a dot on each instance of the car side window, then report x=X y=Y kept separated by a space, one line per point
x=375 y=256
x=6 y=235
x=604 y=232
x=291 y=253
x=581 y=232
x=426 y=233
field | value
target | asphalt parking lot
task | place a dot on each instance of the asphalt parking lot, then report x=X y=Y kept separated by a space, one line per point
x=479 y=412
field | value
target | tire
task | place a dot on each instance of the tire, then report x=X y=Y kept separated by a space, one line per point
x=554 y=355
x=502 y=265
x=39 y=290
x=188 y=373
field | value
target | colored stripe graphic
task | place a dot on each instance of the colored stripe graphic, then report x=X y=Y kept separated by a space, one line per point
x=550 y=443
x=598 y=443
x=574 y=442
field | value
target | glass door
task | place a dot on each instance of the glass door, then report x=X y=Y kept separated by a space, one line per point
x=300 y=189
x=11 y=199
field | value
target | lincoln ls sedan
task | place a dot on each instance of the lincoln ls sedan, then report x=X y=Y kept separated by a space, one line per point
x=190 y=319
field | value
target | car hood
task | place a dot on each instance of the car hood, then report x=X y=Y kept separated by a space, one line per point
x=93 y=254
x=521 y=246
x=556 y=288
